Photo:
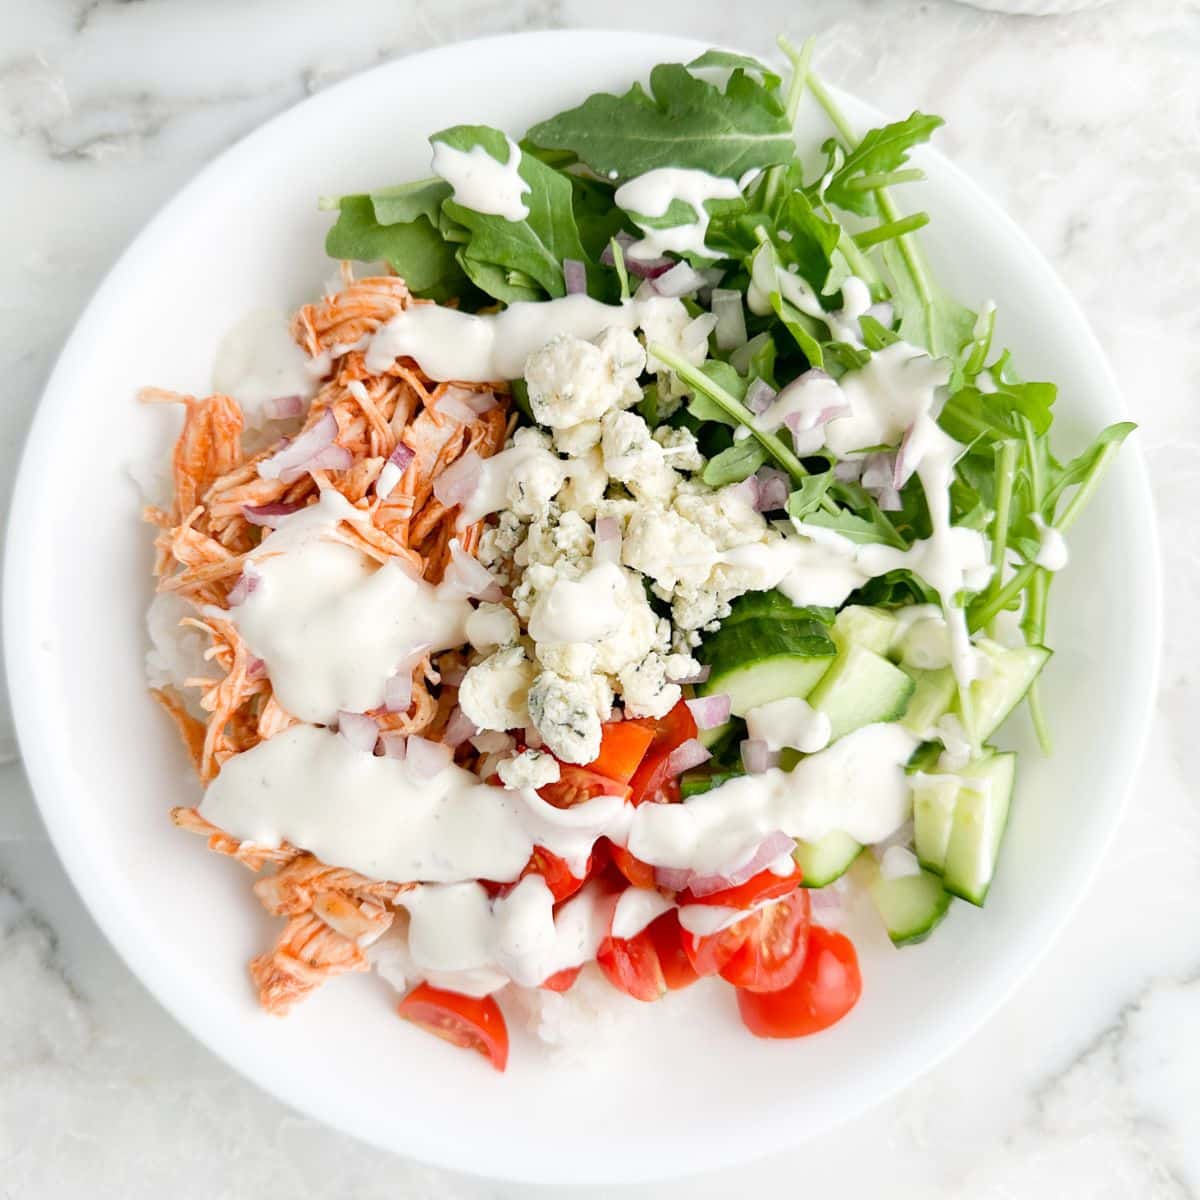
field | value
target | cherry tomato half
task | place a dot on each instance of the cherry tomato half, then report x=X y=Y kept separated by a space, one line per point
x=631 y=965
x=667 y=935
x=766 y=885
x=623 y=745
x=472 y=1022
x=773 y=949
x=651 y=781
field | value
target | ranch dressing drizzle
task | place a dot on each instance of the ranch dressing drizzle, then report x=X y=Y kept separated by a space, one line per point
x=652 y=194
x=331 y=626
x=483 y=183
x=258 y=360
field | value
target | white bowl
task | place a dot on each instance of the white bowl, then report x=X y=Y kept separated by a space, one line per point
x=685 y=1087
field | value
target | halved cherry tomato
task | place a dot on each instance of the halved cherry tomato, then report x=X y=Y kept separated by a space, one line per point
x=638 y=873
x=631 y=965
x=766 y=885
x=667 y=935
x=826 y=989
x=555 y=872
x=651 y=781
x=623 y=745
x=772 y=953
x=708 y=953
x=473 y=1022
x=561 y=981
x=577 y=784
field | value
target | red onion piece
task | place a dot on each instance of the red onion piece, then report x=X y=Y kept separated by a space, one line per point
x=359 y=730
x=757 y=756
x=332 y=458
x=731 y=319
x=878 y=471
x=457 y=483
x=425 y=758
x=607 y=547
x=491 y=741
x=696 y=331
x=772 y=847
x=533 y=737
x=695 y=677
x=747 y=491
x=256 y=668
x=392 y=743
x=674 y=879
x=401 y=456
x=709 y=711
x=469 y=576
x=685 y=756
x=773 y=489
x=291 y=462
x=889 y=500
x=904 y=466
x=269 y=514
x=247 y=582
x=453 y=403
x=759 y=396
x=680 y=280
x=849 y=470
x=397 y=691
x=574 y=276
x=281 y=408
x=459 y=728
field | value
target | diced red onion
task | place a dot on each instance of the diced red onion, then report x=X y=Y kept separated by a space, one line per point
x=452 y=402
x=709 y=711
x=401 y=457
x=747 y=491
x=731 y=319
x=247 y=582
x=392 y=743
x=759 y=396
x=757 y=756
x=425 y=758
x=608 y=540
x=695 y=677
x=808 y=430
x=533 y=737
x=359 y=730
x=281 y=408
x=397 y=691
x=878 y=471
x=457 y=483
x=681 y=280
x=674 y=879
x=269 y=514
x=477 y=402
x=332 y=458
x=469 y=575
x=574 y=276
x=889 y=500
x=256 y=668
x=849 y=470
x=773 y=846
x=393 y=470
x=459 y=728
x=904 y=466
x=696 y=331
x=773 y=489
x=290 y=463
x=685 y=756
x=491 y=741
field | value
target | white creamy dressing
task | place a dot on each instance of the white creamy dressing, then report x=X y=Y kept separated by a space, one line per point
x=1052 y=551
x=636 y=908
x=789 y=721
x=331 y=625
x=257 y=360
x=589 y=609
x=483 y=183
x=479 y=348
x=497 y=472
x=652 y=194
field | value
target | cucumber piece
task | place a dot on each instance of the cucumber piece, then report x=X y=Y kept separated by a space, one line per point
x=756 y=661
x=711 y=738
x=861 y=687
x=992 y=699
x=773 y=606
x=826 y=860
x=703 y=779
x=934 y=800
x=980 y=817
x=871 y=628
x=911 y=906
x=934 y=694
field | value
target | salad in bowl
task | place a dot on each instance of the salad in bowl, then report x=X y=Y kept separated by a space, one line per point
x=625 y=565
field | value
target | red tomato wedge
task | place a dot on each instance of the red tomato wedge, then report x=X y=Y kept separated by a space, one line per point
x=708 y=953
x=826 y=989
x=623 y=745
x=631 y=966
x=577 y=784
x=555 y=872
x=638 y=873
x=651 y=781
x=667 y=935
x=766 y=885
x=474 y=1023
x=773 y=948
x=561 y=981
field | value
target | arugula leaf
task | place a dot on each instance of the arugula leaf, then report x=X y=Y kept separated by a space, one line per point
x=703 y=408
x=739 y=462
x=597 y=217
x=806 y=499
x=406 y=202
x=875 y=335
x=928 y=316
x=874 y=528
x=534 y=247
x=681 y=122
x=896 y=589
x=728 y=60
x=1085 y=464
x=415 y=250
x=813 y=240
x=970 y=413
x=879 y=152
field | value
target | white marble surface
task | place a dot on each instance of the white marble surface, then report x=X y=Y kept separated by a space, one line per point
x=1087 y=128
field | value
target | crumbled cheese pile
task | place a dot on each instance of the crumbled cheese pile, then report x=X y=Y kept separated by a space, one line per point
x=581 y=630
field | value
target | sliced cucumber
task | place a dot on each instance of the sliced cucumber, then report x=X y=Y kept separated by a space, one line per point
x=861 y=687
x=991 y=699
x=980 y=817
x=711 y=738
x=703 y=779
x=826 y=860
x=772 y=606
x=931 y=699
x=934 y=800
x=871 y=628
x=757 y=661
x=911 y=906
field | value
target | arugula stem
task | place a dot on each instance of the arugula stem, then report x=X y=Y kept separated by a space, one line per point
x=1034 y=629
x=891 y=229
x=908 y=250
x=619 y=263
x=1006 y=469
x=871 y=183
x=800 y=60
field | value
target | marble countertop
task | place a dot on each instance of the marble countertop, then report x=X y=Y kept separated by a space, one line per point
x=1087 y=128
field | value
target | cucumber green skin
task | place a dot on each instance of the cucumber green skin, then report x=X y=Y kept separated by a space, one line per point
x=773 y=606
x=710 y=738
x=980 y=819
x=932 y=697
x=860 y=689
x=993 y=699
x=934 y=802
x=700 y=780
x=824 y=861
x=912 y=907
